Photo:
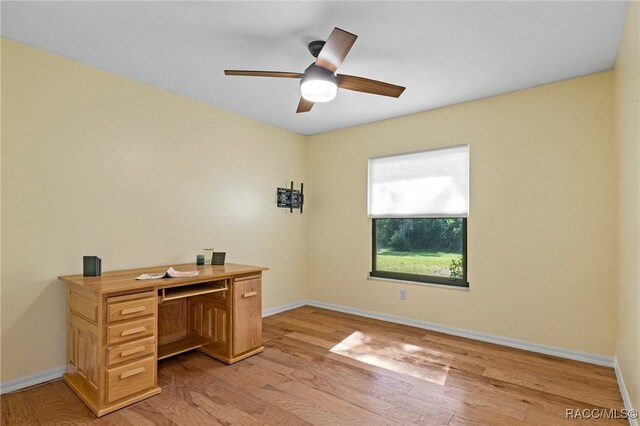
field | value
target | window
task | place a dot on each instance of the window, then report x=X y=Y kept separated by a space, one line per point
x=418 y=205
x=423 y=250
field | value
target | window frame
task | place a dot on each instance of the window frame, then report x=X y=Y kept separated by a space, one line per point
x=419 y=278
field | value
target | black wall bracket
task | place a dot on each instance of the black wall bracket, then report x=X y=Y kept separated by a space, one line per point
x=290 y=198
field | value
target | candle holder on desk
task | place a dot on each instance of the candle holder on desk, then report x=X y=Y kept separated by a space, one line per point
x=208 y=253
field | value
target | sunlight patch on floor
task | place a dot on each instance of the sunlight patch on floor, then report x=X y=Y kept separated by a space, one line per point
x=400 y=357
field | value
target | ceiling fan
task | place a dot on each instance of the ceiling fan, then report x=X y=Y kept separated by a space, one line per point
x=319 y=83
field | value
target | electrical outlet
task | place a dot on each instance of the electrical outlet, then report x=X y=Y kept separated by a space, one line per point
x=403 y=294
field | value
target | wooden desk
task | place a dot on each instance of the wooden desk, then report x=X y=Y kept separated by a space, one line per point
x=119 y=327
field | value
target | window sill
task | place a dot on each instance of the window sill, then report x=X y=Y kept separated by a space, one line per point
x=443 y=286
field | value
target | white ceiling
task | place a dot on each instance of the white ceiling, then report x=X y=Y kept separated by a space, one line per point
x=443 y=52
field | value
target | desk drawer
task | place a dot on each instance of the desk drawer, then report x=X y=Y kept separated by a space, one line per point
x=131 y=309
x=130 y=379
x=130 y=351
x=131 y=330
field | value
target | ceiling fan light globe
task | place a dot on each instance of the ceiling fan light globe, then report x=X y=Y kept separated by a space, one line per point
x=318 y=91
x=318 y=84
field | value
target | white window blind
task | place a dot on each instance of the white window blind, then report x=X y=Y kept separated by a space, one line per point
x=423 y=184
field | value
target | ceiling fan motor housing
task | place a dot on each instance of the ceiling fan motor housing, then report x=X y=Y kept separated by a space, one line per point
x=315 y=47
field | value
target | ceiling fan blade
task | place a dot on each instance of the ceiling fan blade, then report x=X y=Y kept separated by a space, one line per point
x=375 y=87
x=304 y=105
x=335 y=49
x=280 y=74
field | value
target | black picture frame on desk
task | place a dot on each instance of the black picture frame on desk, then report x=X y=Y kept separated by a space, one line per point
x=218 y=258
x=91 y=266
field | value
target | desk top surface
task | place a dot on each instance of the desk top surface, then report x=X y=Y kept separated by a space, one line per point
x=124 y=280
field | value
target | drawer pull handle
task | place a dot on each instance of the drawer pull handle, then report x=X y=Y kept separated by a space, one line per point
x=250 y=294
x=130 y=331
x=130 y=311
x=132 y=351
x=132 y=373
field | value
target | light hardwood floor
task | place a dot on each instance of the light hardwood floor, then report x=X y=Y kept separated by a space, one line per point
x=325 y=367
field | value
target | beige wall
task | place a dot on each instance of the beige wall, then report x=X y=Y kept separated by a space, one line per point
x=541 y=228
x=627 y=135
x=97 y=164
x=94 y=163
x=0 y=213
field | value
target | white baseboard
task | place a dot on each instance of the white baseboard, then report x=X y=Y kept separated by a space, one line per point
x=55 y=373
x=283 y=308
x=485 y=337
x=623 y=390
x=32 y=379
